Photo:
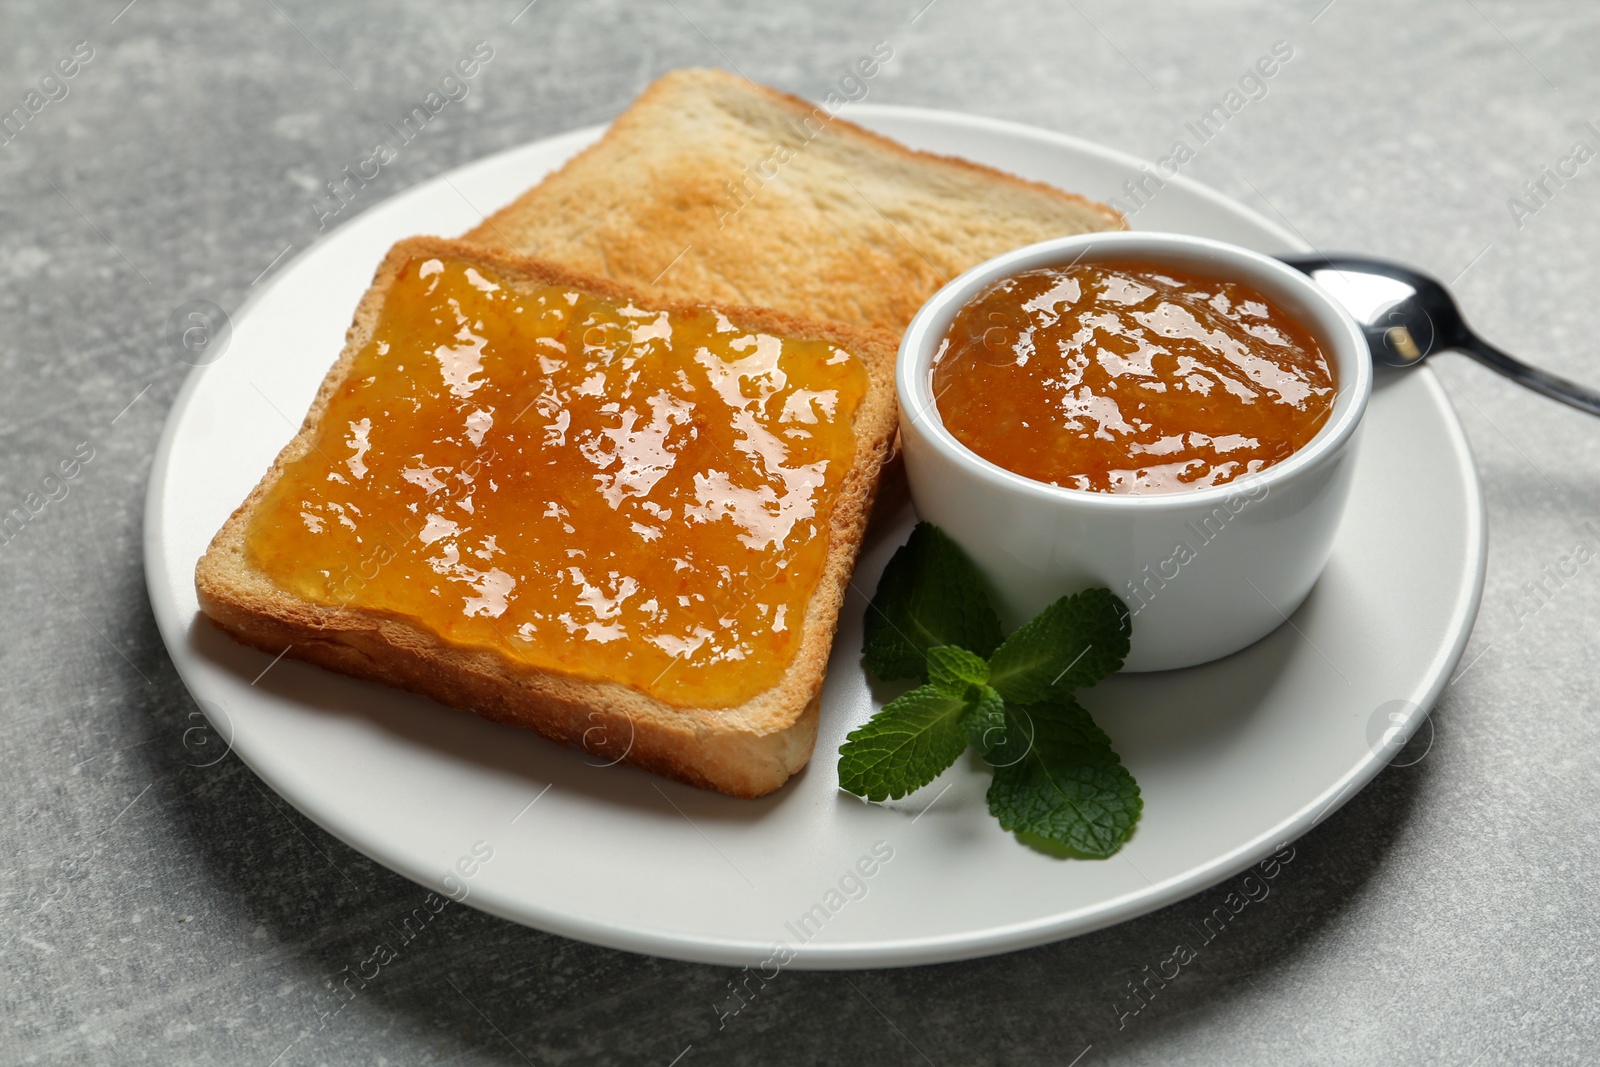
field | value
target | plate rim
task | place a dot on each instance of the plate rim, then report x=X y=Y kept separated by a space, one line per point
x=885 y=953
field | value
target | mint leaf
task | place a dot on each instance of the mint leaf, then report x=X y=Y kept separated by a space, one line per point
x=1069 y=645
x=956 y=668
x=907 y=744
x=986 y=724
x=930 y=595
x=1067 y=786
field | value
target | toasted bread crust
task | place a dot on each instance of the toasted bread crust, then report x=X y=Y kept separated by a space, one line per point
x=850 y=227
x=745 y=751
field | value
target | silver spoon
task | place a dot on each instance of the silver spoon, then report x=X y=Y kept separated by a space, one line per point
x=1407 y=316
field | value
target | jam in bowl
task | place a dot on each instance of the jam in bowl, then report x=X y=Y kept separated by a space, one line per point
x=1168 y=416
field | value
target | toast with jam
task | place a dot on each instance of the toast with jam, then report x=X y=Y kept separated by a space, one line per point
x=622 y=520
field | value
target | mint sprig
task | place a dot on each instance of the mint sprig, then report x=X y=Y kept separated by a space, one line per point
x=1057 y=781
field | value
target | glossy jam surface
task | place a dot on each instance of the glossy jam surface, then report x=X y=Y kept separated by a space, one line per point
x=1129 y=378
x=586 y=487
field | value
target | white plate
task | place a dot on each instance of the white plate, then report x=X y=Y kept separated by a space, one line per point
x=1234 y=758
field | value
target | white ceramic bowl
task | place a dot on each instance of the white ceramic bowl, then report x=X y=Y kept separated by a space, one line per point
x=1205 y=571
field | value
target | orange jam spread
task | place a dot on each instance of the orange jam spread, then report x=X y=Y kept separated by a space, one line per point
x=1129 y=378
x=581 y=485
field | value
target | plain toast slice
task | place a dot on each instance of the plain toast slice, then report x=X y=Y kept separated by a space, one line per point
x=745 y=750
x=710 y=187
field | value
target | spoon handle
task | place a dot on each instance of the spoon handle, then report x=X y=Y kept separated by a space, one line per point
x=1551 y=385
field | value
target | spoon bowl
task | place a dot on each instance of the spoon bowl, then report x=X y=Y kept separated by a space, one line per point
x=1407 y=316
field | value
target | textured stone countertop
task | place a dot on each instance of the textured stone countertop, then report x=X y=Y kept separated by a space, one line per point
x=155 y=912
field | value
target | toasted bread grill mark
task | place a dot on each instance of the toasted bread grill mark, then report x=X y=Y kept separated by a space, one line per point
x=851 y=227
x=746 y=751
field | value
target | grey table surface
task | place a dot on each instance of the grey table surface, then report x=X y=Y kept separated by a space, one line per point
x=152 y=911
